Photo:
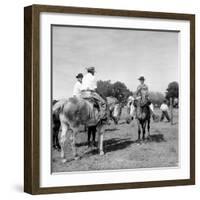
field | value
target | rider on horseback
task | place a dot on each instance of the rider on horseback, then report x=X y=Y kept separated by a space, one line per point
x=143 y=93
x=78 y=85
x=89 y=91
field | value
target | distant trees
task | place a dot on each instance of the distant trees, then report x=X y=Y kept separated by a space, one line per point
x=156 y=98
x=105 y=88
x=173 y=93
x=172 y=90
x=121 y=92
x=117 y=90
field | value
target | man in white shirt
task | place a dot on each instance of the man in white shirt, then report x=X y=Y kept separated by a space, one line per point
x=164 y=108
x=89 y=81
x=78 y=85
x=89 y=90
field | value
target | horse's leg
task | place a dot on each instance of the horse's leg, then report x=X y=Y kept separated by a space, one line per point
x=148 y=128
x=54 y=138
x=139 y=130
x=73 y=143
x=113 y=118
x=93 y=135
x=62 y=138
x=57 y=139
x=100 y=131
x=143 y=130
x=89 y=135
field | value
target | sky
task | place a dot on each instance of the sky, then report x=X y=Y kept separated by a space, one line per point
x=117 y=54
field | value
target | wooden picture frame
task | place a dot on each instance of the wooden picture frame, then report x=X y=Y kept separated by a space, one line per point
x=32 y=98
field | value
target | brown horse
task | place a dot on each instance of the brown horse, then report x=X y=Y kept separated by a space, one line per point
x=114 y=107
x=73 y=113
x=143 y=116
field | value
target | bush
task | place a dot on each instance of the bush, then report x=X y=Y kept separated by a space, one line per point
x=117 y=90
x=156 y=98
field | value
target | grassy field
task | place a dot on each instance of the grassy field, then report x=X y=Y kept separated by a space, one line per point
x=122 y=151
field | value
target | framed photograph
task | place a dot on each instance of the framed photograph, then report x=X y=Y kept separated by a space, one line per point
x=109 y=99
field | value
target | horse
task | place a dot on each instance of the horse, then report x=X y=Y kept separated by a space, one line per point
x=115 y=109
x=73 y=113
x=114 y=113
x=143 y=116
x=55 y=126
x=130 y=109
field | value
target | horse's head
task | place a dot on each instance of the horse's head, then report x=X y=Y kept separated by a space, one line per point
x=117 y=111
x=136 y=101
x=130 y=109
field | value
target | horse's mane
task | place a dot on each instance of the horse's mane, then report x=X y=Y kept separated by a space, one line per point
x=111 y=100
x=142 y=111
x=74 y=100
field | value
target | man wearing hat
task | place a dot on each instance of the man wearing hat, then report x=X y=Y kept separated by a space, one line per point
x=143 y=92
x=89 y=86
x=89 y=82
x=78 y=85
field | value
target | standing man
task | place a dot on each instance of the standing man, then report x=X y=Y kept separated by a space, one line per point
x=78 y=85
x=164 y=108
x=143 y=92
x=89 y=90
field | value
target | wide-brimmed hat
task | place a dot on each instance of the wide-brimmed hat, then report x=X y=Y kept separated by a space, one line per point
x=80 y=75
x=91 y=69
x=141 y=78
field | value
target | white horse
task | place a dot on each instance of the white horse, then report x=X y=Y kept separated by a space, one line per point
x=131 y=109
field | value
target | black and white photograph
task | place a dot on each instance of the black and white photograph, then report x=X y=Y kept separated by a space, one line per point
x=114 y=98
x=109 y=99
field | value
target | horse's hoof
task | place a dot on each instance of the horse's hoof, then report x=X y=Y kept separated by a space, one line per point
x=58 y=148
x=94 y=145
x=148 y=138
x=138 y=142
x=64 y=160
x=76 y=157
x=101 y=153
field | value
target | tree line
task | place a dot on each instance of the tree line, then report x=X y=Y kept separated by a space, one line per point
x=120 y=91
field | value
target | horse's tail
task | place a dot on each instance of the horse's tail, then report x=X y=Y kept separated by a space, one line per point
x=58 y=107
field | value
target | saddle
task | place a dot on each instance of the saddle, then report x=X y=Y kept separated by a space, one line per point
x=94 y=102
x=94 y=98
x=145 y=104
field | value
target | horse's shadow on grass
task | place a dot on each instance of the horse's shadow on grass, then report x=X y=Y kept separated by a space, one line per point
x=115 y=144
x=86 y=143
x=122 y=122
x=112 y=129
x=157 y=138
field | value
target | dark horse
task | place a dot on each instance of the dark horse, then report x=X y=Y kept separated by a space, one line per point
x=143 y=116
x=55 y=128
